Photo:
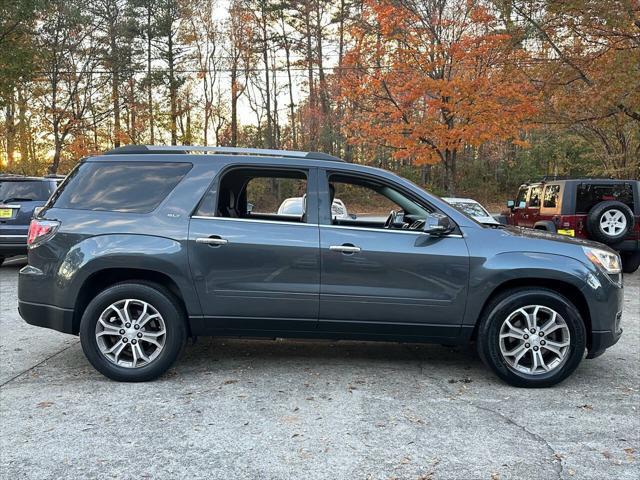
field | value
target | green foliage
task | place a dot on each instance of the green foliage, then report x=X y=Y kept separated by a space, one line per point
x=17 y=52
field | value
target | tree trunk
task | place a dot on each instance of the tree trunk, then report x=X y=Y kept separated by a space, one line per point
x=115 y=89
x=234 y=105
x=10 y=129
x=292 y=112
x=267 y=86
x=326 y=137
x=172 y=89
x=23 y=129
x=149 y=79
x=450 y=157
x=312 y=140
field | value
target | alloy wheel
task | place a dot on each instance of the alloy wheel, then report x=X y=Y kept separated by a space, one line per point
x=534 y=340
x=130 y=333
x=612 y=222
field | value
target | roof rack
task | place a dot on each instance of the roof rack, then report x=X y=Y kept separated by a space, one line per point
x=551 y=178
x=263 y=152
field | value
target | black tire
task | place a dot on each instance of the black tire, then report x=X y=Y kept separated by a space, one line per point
x=1 y=261
x=630 y=262
x=595 y=215
x=497 y=312
x=163 y=301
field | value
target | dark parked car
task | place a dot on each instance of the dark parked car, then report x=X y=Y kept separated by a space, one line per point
x=144 y=246
x=604 y=210
x=20 y=196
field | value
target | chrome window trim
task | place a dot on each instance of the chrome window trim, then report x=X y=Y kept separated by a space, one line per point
x=384 y=230
x=255 y=220
x=13 y=236
x=278 y=222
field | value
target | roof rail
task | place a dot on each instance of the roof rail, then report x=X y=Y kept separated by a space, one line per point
x=138 y=149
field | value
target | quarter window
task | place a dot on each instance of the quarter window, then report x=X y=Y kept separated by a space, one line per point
x=131 y=187
x=589 y=194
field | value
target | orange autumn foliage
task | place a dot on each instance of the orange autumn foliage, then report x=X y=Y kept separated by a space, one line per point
x=428 y=83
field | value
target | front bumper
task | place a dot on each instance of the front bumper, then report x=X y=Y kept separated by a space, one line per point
x=606 y=304
x=48 y=316
x=600 y=341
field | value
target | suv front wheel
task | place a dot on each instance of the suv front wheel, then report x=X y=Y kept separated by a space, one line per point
x=532 y=337
x=133 y=332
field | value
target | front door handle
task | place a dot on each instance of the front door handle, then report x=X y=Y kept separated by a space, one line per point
x=347 y=248
x=212 y=240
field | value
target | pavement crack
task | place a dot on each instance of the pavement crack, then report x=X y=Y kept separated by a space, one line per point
x=18 y=375
x=556 y=457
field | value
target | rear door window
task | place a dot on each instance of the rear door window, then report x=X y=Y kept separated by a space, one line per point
x=589 y=194
x=24 y=191
x=130 y=187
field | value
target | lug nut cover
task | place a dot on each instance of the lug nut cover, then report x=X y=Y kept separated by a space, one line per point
x=527 y=345
x=139 y=334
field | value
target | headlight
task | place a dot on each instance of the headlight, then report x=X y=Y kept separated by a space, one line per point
x=607 y=261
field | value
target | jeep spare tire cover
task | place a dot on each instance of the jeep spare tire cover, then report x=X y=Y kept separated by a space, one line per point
x=609 y=222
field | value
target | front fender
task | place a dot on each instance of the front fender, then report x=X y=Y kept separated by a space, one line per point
x=488 y=274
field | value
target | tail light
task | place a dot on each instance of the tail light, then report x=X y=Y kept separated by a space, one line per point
x=40 y=231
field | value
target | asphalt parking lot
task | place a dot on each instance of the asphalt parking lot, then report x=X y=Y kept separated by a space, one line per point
x=298 y=409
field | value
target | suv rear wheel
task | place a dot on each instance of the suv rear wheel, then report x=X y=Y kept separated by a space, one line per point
x=609 y=222
x=532 y=337
x=133 y=332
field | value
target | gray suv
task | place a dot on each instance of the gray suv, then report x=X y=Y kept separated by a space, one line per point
x=143 y=247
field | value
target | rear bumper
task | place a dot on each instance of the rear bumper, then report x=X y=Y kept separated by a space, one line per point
x=13 y=245
x=47 y=316
x=627 y=246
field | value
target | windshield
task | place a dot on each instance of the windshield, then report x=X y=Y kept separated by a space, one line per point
x=473 y=209
x=23 y=191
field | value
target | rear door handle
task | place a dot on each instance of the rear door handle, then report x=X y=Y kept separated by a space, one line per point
x=212 y=240
x=344 y=248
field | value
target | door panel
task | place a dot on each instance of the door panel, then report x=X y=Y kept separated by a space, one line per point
x=407 y=283
x=256 y=274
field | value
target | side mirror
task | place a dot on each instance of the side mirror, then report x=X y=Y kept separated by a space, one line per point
x=437 y=224
x=511 y=204
x=522 y=205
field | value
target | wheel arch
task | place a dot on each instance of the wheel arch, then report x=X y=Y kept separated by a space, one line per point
x=547 y=225
x=104 y=278
x=566 y=289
